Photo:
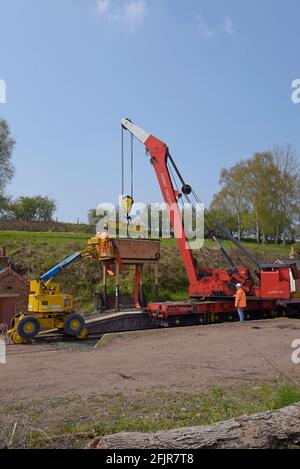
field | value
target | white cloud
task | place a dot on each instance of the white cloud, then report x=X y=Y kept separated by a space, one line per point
x=206 y=31
x=130 y=13
x=227 y=26
x=103 y=6
x=134 y=12
x=212 y=33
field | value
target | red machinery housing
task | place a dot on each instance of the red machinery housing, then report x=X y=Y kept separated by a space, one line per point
x=211 y=290
x=275 y=282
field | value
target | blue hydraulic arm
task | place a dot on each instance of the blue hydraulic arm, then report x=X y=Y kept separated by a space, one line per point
x=59 y=267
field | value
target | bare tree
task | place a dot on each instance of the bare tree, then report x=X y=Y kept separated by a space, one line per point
x=288 y=188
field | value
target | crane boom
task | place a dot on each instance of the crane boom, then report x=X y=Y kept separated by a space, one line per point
x=139 y=133
x=208 y=282
x=159 y=154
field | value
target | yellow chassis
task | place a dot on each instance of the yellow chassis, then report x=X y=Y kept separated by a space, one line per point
x=46 y=322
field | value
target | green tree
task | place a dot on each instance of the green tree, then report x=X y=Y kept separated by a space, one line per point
x=5 y=206
x=25 y=208
x=7 y=144
x=46 y=208
x=36 y=208
x=261 y=195
x=261 y=192
x=231 y=205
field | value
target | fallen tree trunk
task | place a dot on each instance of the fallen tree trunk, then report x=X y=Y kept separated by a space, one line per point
x=276 y=429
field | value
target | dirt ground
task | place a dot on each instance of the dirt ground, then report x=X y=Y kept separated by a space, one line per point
x=184 y=359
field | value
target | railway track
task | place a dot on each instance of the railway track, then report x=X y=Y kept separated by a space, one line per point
x=127 y=321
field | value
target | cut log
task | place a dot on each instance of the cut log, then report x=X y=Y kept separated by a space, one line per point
x=267 y=430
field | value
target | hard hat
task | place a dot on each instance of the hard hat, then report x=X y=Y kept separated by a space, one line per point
x=239 y=285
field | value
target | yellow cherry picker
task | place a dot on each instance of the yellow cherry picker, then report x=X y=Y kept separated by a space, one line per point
x=50 y=308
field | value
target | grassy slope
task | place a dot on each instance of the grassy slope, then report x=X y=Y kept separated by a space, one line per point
x=68 y=422
x=36 y=252
x=6 y=236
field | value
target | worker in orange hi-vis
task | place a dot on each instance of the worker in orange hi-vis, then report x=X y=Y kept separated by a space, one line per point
x=105 y=242
x=241 y=301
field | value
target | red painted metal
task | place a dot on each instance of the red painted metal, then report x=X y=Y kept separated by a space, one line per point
x=158 y=151
x=274 y=282
x=220 y=282
x=137 y=287
x=212 y=282
x=168 y=310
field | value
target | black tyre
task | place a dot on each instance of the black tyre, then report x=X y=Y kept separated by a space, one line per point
x=74 y=324
x=28 y=327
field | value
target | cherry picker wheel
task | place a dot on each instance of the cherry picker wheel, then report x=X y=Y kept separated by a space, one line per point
x=15 y=337
x=74 y=325
x=23 y=328
x=28 y=327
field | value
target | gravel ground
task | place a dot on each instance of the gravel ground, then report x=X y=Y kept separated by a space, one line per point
x=185 y=359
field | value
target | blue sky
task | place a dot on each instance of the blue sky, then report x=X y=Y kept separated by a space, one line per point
x=212 y=78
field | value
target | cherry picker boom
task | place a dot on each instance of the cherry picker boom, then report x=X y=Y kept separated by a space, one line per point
x=211 y=291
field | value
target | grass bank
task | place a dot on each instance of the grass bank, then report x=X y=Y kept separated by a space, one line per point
x=70 y=422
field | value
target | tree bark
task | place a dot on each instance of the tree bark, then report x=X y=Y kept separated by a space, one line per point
x=239 y=227
x=277 y=233
x=257 y=231
x=276 y=429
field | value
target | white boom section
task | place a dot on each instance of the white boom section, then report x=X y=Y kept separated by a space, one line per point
x=139 y=133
